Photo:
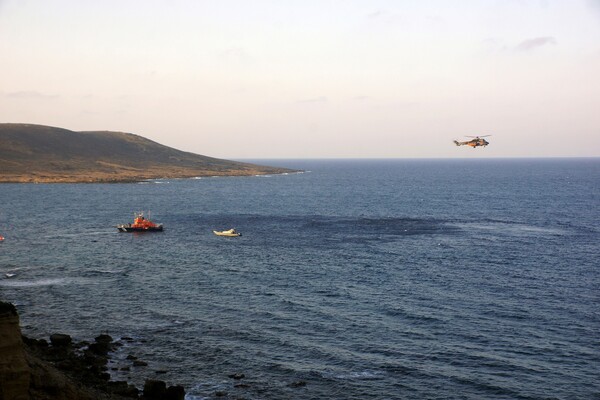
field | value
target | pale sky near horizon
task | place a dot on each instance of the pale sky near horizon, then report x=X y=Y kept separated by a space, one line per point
x=311 y=79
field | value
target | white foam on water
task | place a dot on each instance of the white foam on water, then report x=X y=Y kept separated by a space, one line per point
x=15 y=282
x=37 y=283
x=361 y=375
x=154 y=181
x=355 y=375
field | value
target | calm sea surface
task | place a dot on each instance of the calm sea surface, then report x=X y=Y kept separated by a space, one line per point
x=388 y=279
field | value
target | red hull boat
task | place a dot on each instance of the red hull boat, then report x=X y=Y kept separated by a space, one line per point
x=140 y=224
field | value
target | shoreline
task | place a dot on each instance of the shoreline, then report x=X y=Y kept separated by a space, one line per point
x=138 y=178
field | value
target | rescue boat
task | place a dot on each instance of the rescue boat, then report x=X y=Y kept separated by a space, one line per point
x=229 y=233
x=140 y=224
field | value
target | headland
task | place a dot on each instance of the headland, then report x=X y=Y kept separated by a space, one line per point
x=43 y=154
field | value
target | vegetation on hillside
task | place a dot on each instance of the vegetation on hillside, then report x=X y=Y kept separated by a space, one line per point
x=36 y=153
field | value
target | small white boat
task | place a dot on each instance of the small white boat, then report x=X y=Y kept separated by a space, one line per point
x=230 y=233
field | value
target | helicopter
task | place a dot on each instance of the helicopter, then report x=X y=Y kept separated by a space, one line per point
x=475 y=142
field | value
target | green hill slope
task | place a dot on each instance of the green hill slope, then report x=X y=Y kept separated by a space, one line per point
x=36 y=153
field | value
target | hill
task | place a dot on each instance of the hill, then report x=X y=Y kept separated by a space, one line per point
x=37 y=153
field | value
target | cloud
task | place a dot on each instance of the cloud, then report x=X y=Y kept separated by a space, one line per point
x=321 y=99
x=595 y=4
x=376 y=14
x=235 y=55
x=383 y=17
x=30 y=95
x=534 y=43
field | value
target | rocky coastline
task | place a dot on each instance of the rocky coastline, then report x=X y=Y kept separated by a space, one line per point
x=61 y=369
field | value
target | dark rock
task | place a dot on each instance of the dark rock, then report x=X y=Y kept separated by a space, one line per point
x=220 y=393
x=127 y=339
x=175 y=393
x=103 y=338
x=34 y=342
x=161 y=371
x=67 y=365
x=125 y=369
x=116 y=386
x=122 y=388
x=60 y=340
x=131 y=357
x=237 y=376
x=102 y=345
x=8 y=308
x=95 y=370
x=105 y=376
x=92 y=359
x=29 y=342
x=155 y=389
x=131 y=391
x=99 y=348
x=138 y=363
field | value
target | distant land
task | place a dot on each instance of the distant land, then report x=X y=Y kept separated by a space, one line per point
x=44 y=154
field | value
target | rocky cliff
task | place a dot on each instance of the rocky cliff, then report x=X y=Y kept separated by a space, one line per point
x=60 y=370
x=26 y=377
x=15 y=373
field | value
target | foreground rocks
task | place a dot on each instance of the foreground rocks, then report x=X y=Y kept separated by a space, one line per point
x=14 y=370
x=33 y=369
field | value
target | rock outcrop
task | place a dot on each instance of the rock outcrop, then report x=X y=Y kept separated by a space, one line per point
x=24 y=376
x=15 y=373
x=32 y=369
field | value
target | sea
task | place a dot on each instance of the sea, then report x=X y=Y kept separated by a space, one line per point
x=353 y=279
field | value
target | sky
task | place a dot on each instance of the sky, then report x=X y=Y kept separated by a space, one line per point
x=311 y=78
